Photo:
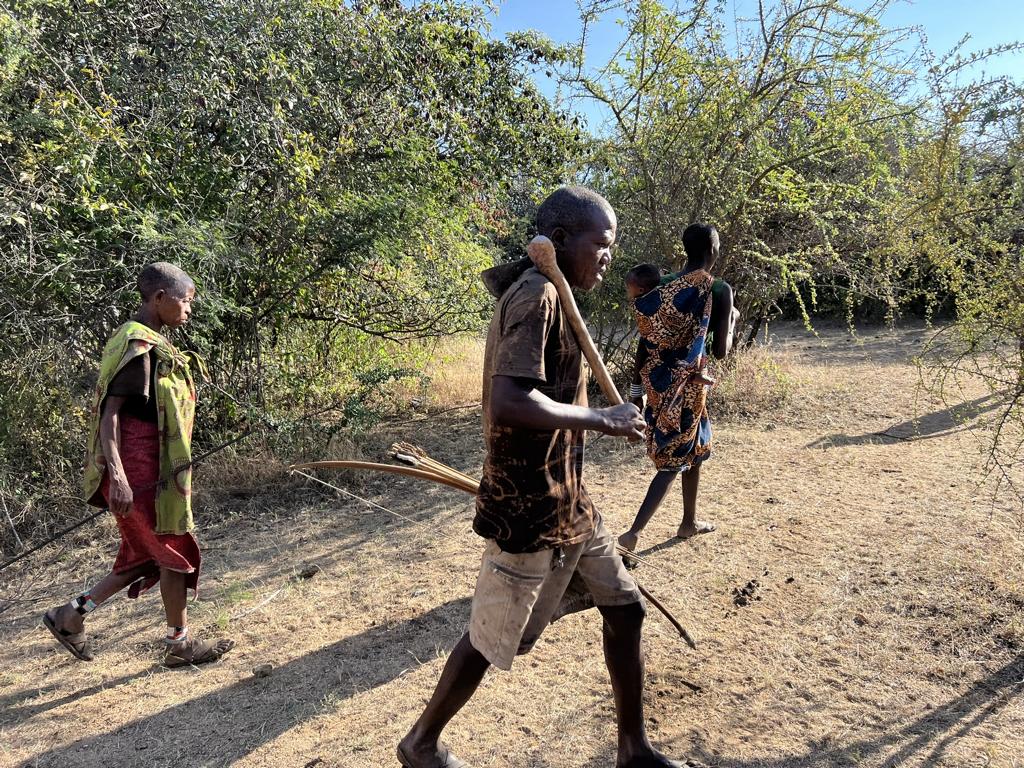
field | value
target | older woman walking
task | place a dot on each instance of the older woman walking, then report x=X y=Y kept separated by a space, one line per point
x=682 y=319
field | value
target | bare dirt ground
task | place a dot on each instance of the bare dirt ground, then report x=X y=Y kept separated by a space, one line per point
x=861 y=604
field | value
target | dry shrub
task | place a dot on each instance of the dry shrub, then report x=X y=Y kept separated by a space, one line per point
x=753 y=381
x=251 y=468
x=454 y=372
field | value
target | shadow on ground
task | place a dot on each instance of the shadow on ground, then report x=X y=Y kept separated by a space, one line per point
x=15 y=709
x=936 y=424
x=669 y=543
x=221 y=722
x=922 y=742
x=835 y=342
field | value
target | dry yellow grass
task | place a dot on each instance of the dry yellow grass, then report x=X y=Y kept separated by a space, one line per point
x=753 y=381
x=455 y=371
x=888 y=631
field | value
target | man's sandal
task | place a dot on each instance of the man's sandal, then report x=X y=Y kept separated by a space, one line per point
x=448 y=760
x=76 y=642
x=192 y=652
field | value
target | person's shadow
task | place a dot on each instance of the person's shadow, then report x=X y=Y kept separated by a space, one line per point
x=219 y=723
x=931 y=425
x=673 y=541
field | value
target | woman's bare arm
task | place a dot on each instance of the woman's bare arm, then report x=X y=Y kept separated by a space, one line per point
x=722 y=321
x=120 y=495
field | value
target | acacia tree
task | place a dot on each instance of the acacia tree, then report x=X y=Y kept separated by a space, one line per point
x=841 y=163
x=789 y=134
x=976 y=203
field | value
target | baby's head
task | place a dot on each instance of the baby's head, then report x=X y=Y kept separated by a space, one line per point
x=641 y=279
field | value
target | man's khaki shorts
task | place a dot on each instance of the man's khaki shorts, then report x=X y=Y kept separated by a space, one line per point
x=517 y=596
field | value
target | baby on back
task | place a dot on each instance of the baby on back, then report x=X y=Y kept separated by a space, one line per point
x=641 y=280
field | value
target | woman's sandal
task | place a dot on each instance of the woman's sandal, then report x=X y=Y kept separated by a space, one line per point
x=76 y=642
x=192 y=652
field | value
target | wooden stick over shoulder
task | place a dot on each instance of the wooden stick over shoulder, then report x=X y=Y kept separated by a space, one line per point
x=542 y=253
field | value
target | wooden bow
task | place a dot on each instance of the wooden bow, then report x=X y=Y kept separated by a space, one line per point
x=424 y=467
x=422 y=474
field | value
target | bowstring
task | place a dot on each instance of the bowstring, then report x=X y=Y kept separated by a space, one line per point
x=458 y=541
x=461 y=543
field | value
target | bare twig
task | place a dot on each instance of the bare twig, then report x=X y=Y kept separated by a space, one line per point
x=7 y=514
x=259 y=605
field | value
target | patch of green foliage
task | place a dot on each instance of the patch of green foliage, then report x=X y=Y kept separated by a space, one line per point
x=843 y=167
x=333 y=175
x=848 y=170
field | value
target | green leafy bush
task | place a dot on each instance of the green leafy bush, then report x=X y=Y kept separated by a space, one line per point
x=333 y=175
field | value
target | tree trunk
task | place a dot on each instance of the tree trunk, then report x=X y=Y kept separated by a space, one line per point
x=754 y=330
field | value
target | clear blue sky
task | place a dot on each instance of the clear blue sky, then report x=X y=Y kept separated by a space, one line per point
x=944 y=22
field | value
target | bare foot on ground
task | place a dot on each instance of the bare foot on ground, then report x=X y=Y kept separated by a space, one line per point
x=698 y=527
x=412 y=754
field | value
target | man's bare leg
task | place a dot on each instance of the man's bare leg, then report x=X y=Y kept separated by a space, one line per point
x=623 y=653
x=462 y=675
x=691 y=526
x=175 y=596
x=656 y=493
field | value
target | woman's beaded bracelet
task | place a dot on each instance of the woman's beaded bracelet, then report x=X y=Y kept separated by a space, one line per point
x=635 y=391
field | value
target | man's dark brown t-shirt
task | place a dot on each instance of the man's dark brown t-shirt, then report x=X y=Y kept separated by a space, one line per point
x=532 y=495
